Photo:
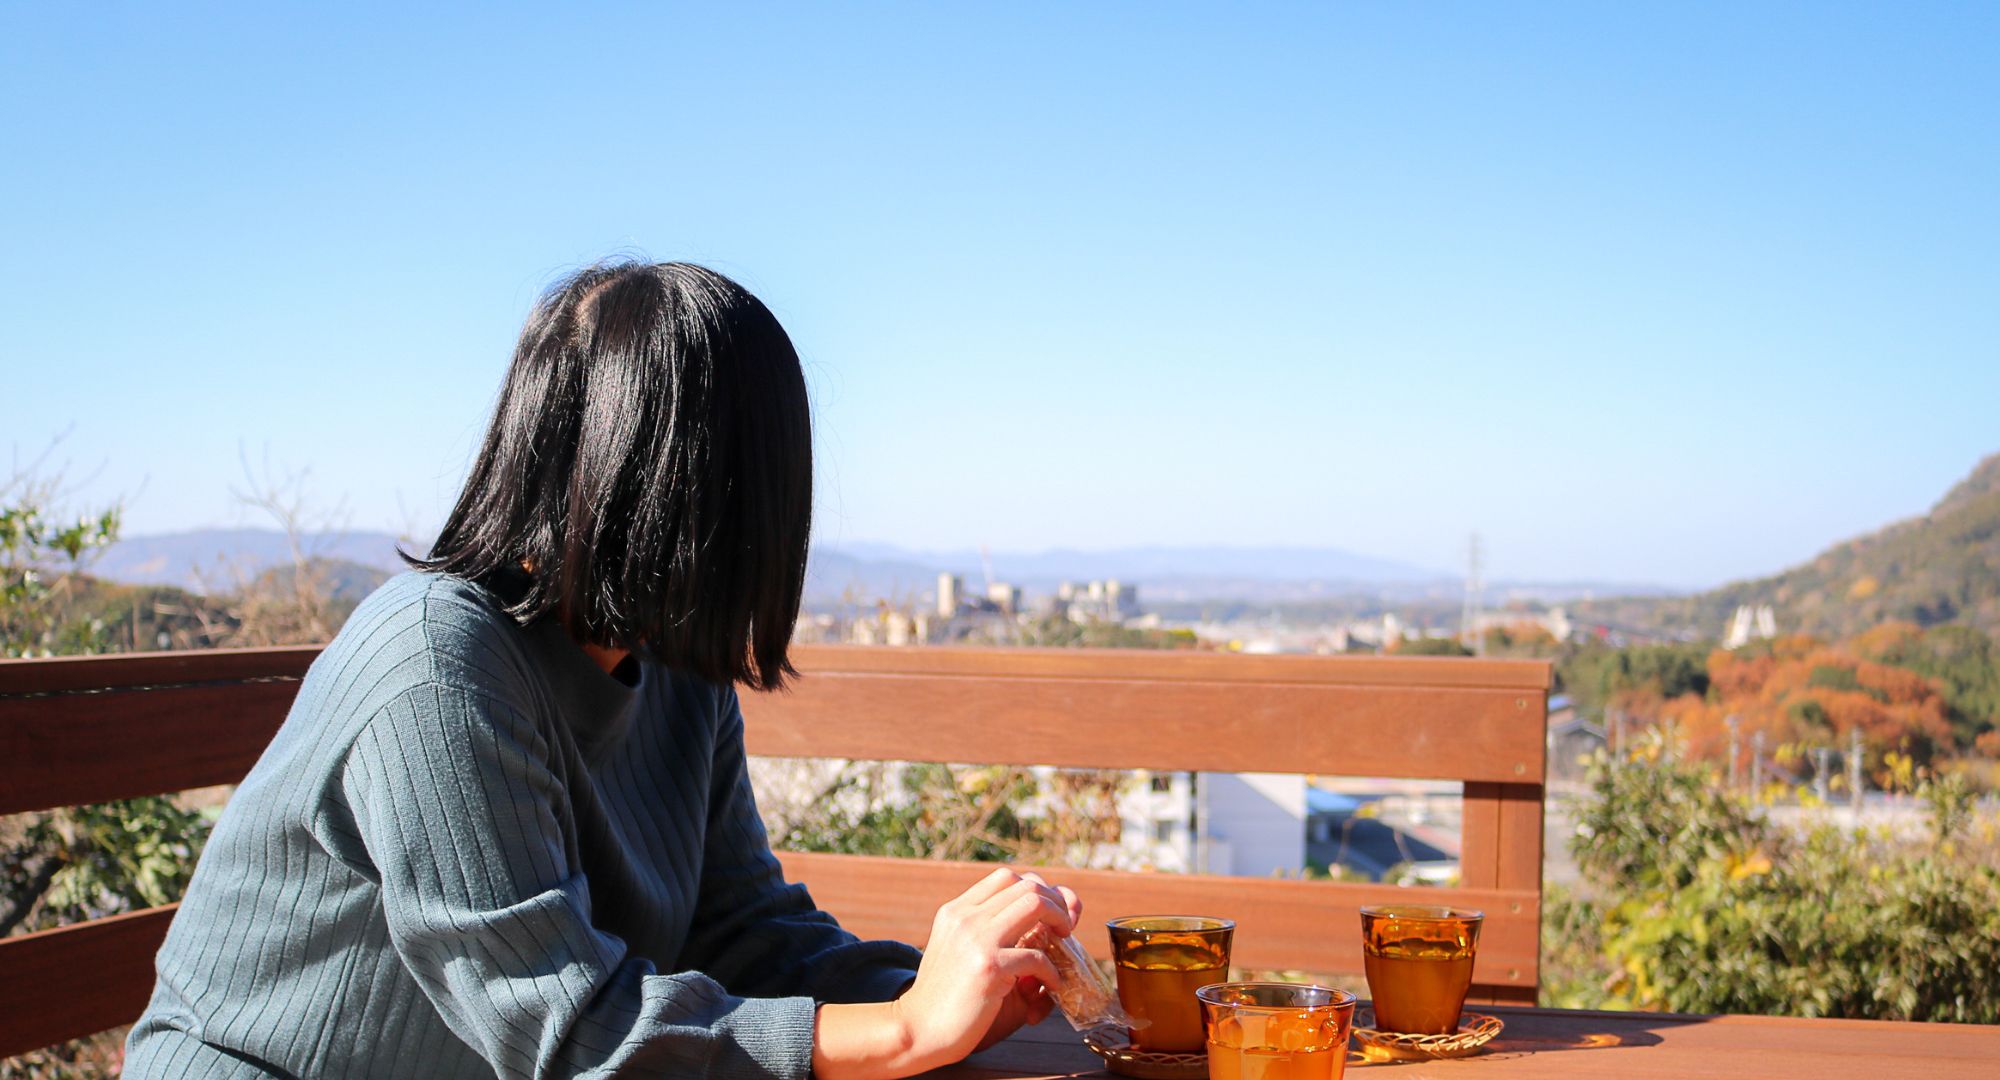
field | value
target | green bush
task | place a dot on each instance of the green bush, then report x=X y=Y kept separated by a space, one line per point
x=1693 y=901
x=981 y=813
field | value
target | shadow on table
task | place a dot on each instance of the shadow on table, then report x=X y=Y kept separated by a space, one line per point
x=1530 y=1032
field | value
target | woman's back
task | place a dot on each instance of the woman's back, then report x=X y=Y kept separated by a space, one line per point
x=380 y=897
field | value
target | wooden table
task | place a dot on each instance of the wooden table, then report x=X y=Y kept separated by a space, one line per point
x=1619 y=1046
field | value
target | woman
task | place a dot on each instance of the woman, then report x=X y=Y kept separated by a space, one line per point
x=506 y=828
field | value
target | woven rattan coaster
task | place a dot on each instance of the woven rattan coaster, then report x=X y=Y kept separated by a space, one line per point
x=1474 y=1031
x=1114 y=1045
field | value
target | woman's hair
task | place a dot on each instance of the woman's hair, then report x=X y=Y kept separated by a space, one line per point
x=650 y=463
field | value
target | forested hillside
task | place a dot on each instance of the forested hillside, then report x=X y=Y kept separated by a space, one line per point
x=1943 y=567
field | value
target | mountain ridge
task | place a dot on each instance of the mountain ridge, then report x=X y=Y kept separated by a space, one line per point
x=1942 y=566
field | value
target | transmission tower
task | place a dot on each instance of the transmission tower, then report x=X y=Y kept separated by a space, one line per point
x=1468 y=619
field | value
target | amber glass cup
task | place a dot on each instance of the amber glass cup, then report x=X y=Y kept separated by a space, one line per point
x=1276 y=1031
x=1418 y=958
x=1161 y=960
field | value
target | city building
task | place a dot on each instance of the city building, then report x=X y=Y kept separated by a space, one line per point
x=1750 y=624
x=1005 y=597
x=1110 y=600
x=1245 y=824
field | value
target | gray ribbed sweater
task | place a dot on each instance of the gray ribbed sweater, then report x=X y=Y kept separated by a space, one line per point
x=470 y=852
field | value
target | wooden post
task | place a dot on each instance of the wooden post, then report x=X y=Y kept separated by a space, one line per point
x=1735 y=742
x=1854 y=772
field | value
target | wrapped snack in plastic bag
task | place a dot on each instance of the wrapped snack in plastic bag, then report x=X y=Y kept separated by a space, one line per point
x=1086 y=997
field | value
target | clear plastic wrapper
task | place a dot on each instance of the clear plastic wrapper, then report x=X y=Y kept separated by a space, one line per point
x=1083 y=993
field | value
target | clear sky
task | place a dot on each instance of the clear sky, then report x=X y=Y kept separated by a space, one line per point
x=1668 y=294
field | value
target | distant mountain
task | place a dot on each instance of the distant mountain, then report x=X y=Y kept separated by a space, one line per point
x=1943 y=567
x=211 y=559
x=836 y=578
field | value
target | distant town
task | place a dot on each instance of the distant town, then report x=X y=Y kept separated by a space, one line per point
x=999 y=612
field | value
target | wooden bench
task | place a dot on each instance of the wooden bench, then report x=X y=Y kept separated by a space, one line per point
x=87 y=730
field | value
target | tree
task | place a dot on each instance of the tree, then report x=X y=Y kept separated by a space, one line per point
x=1964 y=662
x=42 y=554
x=1598 y=677
x=1429 y=646
x=981 y=813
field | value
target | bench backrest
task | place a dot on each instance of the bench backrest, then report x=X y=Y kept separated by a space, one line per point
x=85 y=730
x=75 y=731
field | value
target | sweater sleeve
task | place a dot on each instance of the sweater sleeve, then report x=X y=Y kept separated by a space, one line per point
x=486 y=905
x=755 y=932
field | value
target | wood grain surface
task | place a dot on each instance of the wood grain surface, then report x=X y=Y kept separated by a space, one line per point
x=77 y=980
x=123 y=670
x=77 y=749
x=1420 y=718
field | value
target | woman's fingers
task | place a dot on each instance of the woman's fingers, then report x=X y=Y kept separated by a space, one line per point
x=991 y=885
x=1040 y=1001
x=1017 y=964
x=1063 y=895
x=1026 y=886
x=1021 y=912
x=1015 y=903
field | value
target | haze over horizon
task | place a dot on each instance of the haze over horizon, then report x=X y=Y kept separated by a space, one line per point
x=1671 y=297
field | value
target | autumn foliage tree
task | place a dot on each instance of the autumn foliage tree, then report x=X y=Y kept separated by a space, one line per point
x=1910 y=693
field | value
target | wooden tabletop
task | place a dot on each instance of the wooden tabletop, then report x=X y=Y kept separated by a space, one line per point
x=1618 y=1046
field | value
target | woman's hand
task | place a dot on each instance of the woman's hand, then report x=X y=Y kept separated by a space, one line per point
x=1031 y=1002
x=969 y=990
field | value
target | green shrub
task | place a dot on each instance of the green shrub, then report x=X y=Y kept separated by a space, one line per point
x=1694 y=901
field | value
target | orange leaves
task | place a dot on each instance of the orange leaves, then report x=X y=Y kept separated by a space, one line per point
x=1799 y=690
x=1735 y=676
x=1831 y=691
x=1794 y=646
x=1877 y=641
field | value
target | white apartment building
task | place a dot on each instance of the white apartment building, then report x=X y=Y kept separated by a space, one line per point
x=1243 y=824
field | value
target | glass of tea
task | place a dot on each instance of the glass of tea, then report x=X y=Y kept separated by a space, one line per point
x=1418 y=958
x=1276 y=1031
x=1161 y=960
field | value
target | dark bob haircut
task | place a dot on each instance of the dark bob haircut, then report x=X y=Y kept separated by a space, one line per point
x=650 y=465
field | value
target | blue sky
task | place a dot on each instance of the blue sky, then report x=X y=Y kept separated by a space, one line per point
x=1669 y=294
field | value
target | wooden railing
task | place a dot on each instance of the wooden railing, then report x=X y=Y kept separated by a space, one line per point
x=1476 y=721
x=79 y=731
x=93 y=729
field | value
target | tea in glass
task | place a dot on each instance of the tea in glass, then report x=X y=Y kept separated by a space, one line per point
x=1276 y=1031
x=1418 y=959
x=1161 y=960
